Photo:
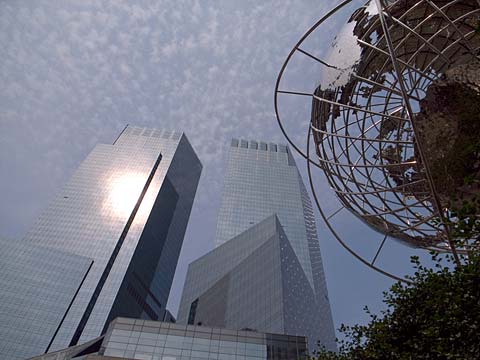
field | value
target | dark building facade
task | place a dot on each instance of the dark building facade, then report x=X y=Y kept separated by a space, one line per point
x=266 y=271
x=117 y=228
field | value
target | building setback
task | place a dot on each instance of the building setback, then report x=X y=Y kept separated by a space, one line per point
x=266 y=271
x=116 y=230
x=143 y=339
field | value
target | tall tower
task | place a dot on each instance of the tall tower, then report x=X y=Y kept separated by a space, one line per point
x=123 y=215
x=266 y=271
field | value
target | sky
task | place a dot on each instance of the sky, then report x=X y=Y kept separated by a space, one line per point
x=74 y=73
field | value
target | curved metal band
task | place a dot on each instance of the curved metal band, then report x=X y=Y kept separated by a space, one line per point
x=332 y=230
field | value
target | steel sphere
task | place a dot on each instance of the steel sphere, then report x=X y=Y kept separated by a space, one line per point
x=394 y=113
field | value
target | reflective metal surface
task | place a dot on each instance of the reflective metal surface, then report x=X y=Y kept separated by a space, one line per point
x=375 y=122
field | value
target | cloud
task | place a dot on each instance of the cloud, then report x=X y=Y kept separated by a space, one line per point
x=73 y=73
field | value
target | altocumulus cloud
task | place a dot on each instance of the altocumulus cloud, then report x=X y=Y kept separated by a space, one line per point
x=73 y=73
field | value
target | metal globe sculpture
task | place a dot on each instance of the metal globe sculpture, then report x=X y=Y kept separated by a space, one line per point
x=395 y=120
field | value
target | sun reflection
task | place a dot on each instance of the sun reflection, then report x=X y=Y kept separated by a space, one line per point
x=124 y=193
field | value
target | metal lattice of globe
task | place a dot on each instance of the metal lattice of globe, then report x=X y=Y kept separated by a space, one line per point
x=396 y=116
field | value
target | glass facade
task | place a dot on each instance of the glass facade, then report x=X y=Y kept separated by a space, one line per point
x=267 y=241
x=259 y=183
x=125 y=209
x=155 y=340
x=238 y=284
x=148 y=340
x=37 y=286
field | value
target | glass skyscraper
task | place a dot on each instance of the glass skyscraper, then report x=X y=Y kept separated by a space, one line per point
x=107 y=245
x=266 y=271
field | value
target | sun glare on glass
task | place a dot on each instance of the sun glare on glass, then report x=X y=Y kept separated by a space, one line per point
x=124 y=193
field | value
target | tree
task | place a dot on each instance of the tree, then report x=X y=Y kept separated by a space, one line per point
x=435 y=317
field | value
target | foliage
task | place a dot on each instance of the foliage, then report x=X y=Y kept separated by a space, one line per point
x=464 y=223
x=435 y=317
